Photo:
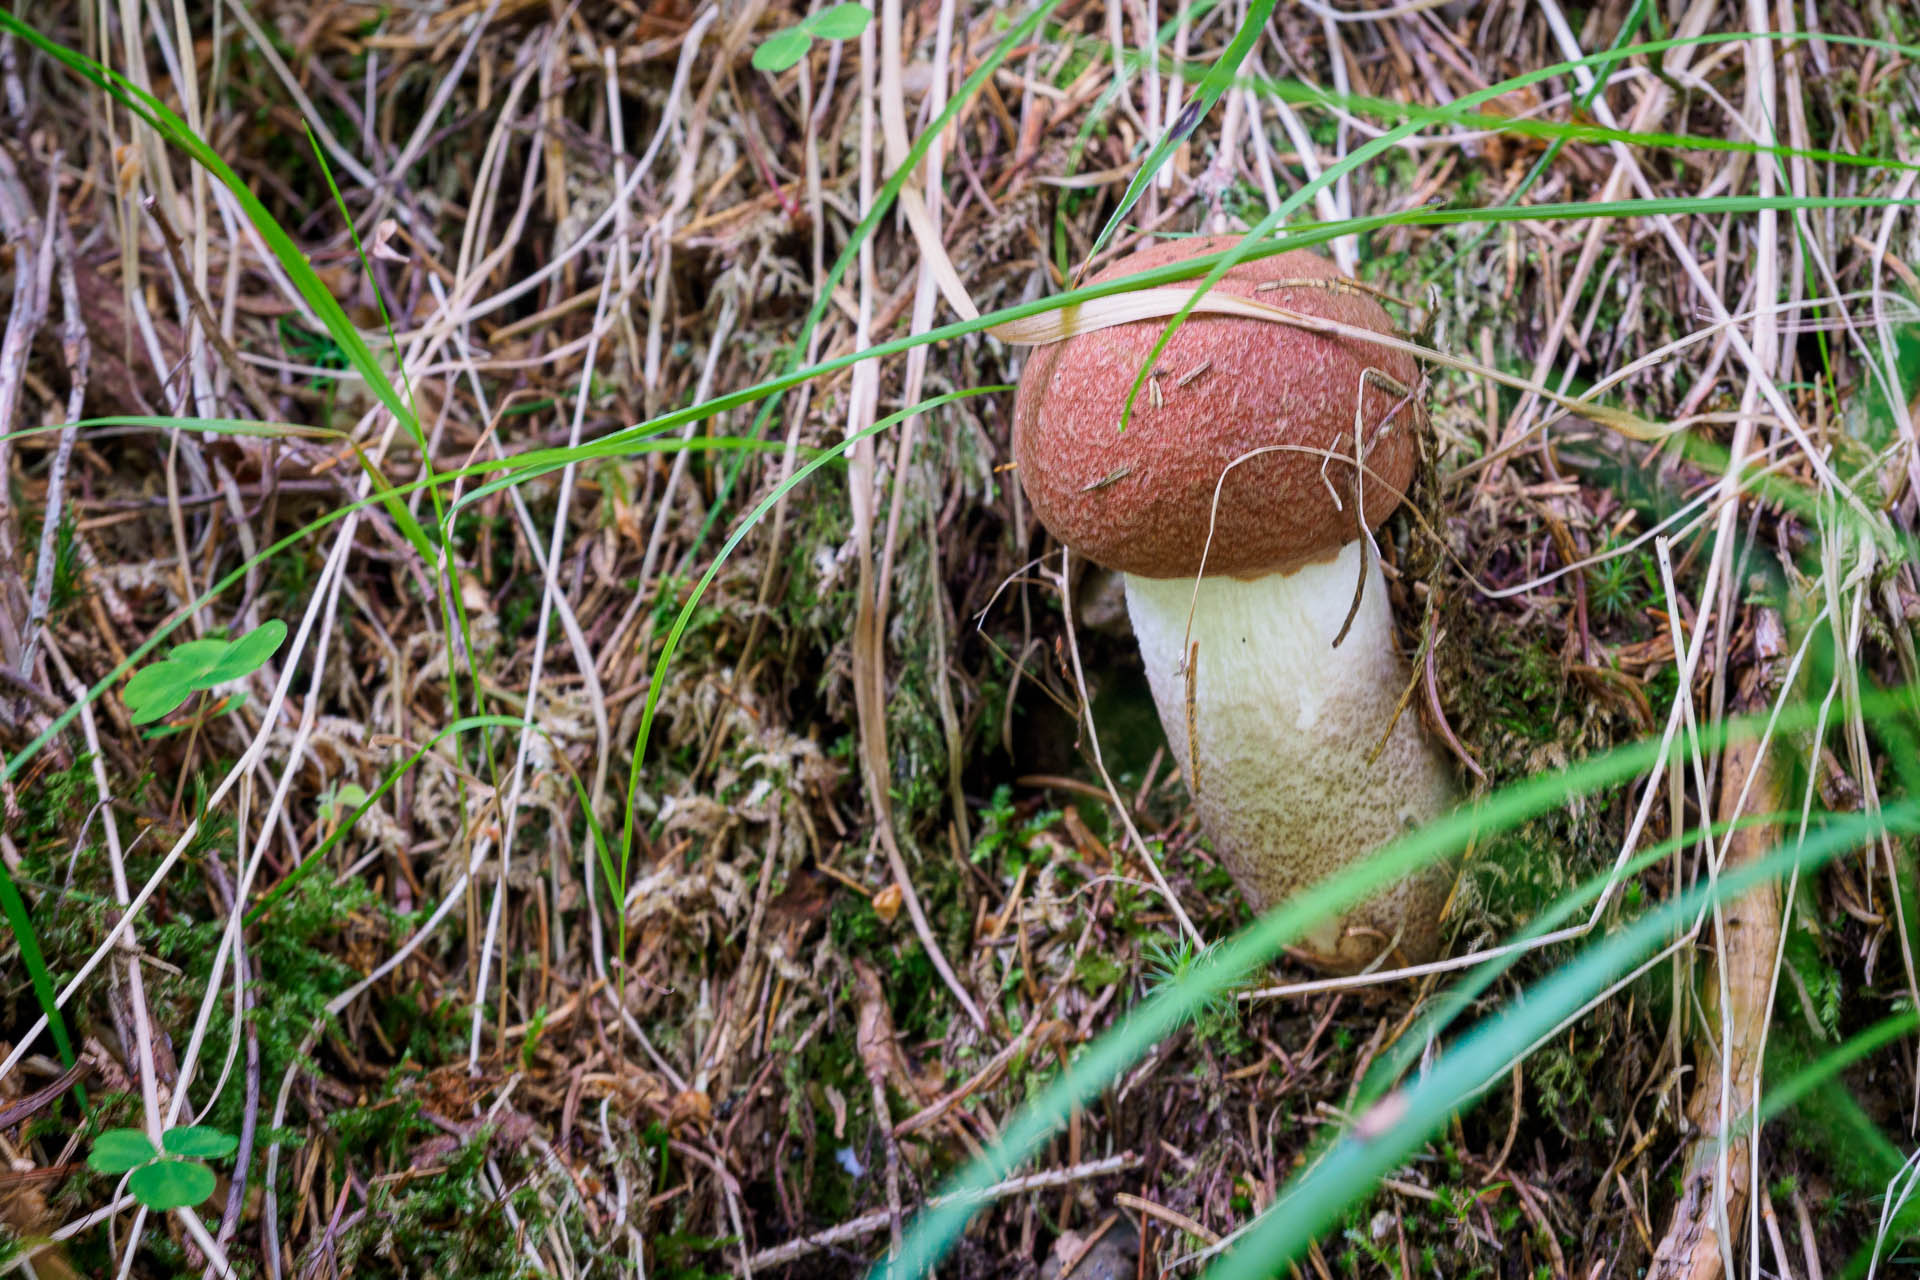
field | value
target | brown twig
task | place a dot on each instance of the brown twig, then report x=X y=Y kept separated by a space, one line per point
x=1736 y=999
x=78 y=353
x=32 y=273
x=242 y=374
x=867 y=1224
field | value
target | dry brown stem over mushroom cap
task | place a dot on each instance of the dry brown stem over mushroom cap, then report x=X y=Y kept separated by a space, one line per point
x=1140 y=500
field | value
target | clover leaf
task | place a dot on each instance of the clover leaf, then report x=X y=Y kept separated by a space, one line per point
x=171 y=1183
x=174 y=1180
x=781 y=50
x=842 y=22
x=785 y=47
x=201 y=1140
x=158 y=689
x=118 y=1150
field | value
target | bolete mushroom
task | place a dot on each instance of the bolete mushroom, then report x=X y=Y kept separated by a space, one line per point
x=1273 y=686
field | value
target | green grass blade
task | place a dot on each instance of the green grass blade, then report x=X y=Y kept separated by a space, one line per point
x=1384 y=1138
x=1228 y=963
x=1218 y=79
x=1263 y=230
x=11 y=766
x=213 y=426
x=1837 y=1059
x=746 y=526
x=306 y=865
x=1459 y=998
x=14 y=909
x=175 y=130
x=632 y=436
x=883 y=202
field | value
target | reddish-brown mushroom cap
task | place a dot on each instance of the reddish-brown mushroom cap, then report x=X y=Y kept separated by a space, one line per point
x=1139 y=501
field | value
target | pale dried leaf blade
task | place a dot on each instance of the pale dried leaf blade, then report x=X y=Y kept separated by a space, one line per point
x=1624 y=421
x=1122 y=308
x=1074 y=319
x=945 y=275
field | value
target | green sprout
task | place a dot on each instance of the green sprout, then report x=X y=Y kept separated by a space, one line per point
x=156 y=690
x=788 y=45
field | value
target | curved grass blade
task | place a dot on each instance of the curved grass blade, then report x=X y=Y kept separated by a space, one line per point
x=176 y=131
x=1836 y=1060
x=883 y=202
x=318 y=297
x=11 y=766
x=213 y=426
x=1217 y=80
x=1396 y=1059
x=1225 y=965
x=740 y=532
x=630 y=438
x=1384 y=1137
x=306 y=865
x=1262 y=231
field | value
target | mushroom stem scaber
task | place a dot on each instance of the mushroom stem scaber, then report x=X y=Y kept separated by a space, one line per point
x=1235 y=509
x=1283 y=724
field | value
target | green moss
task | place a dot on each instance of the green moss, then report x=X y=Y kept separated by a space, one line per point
x=387 y=1127
x=296 y=970
x=684 y=1255
x=444 y=1223
x=423 y=1028
x=1622 y=587
x=1096 y=972
x=1216 y=1023
x=1005 y=842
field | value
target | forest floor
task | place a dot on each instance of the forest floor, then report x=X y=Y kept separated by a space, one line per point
x=648 y=852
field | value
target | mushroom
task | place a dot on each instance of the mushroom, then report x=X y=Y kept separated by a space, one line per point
x=1274 y=686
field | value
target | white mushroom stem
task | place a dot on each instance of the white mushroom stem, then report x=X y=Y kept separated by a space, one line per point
x=1283 y=724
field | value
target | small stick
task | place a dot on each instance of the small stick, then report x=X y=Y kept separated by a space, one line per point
x=1085 y=716
x=1736 y=997
x=32 y=272
x=79 y=355
x=869 y=1223
x=242 y=374
x=1172 y=1217
x=1048 y=1032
